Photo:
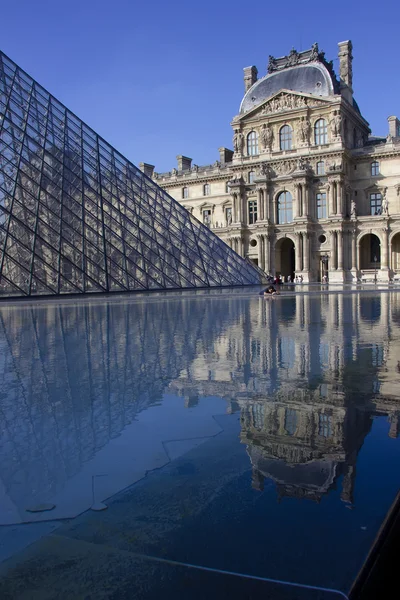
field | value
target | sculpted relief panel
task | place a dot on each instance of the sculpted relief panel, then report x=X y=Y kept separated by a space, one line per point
x=289 y=101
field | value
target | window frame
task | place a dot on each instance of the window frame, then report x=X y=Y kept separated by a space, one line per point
x=320 y=132
x=250 y=177
x=286 y=137
x=185 y=192
x=319 y=170
x=375 y=168
x=252 y=212
x=375 y=201
x=206 y=189
x=322 y=208
x=208 y=212
x=283 y=208
x=252 y=143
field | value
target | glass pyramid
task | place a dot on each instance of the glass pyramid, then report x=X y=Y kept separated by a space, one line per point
x=78 y=217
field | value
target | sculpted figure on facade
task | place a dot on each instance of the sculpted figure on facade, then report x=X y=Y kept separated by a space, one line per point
x=304 y=130
x=238 y=140
x=336 y=124
x=293 y=58
x=266 y=137
x=385 y=203
x=353 y=210
x=271 y=64
x=265 y=170
x=314 y=52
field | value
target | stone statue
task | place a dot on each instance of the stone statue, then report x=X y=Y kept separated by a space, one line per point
x=301 y=164
x=271 y=64
x=265 y=170
x=353 y=210
x=195 y=168
x=266 y=137
x=314 y=52
x=293 y=58
x=174 y=172
x=229 y=217
x=305 y=129
x=238 y=142
x=385 y=204
x=336 y=124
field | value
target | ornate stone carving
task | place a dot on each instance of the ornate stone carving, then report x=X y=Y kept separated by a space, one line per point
x=293 y=58
x=304 y=130
x=238 y=140
x=194 y=169
x=314 y=53
x=288 y=102
x=385 y=203
x=266 y=137
x=301 y=164
x=272 y=66
x=336 y=125
x=353 y=210
x=284 y=168
x=174 y=172
x=264 y=170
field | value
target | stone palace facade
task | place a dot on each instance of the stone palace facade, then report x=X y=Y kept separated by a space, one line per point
x=307 y=190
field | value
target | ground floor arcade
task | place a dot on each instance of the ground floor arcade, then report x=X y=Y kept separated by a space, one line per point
x=337 y=255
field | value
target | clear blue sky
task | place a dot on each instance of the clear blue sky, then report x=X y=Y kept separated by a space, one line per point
x=157 y=79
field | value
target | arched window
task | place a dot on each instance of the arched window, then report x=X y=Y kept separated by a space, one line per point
x=185 y=192
x=251 y=176
x=206 y=189
x=285 y=208
x=285 y=138
x=320 y=132
x=321 y=168
x=374 y=168
x=252 y=143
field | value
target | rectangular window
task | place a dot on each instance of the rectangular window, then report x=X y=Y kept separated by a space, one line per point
x=252 y=212
x=207 y=217
x=185 y=192
x=325 y=425
x=375 y=204
x=322 y=212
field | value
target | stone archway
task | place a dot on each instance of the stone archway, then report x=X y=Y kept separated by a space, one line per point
x=395 y=253
x=369 y=250
x=285 y=263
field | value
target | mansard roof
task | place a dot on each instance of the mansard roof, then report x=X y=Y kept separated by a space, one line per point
x=307 y=72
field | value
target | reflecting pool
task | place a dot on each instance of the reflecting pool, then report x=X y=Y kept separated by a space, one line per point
x=255 y=438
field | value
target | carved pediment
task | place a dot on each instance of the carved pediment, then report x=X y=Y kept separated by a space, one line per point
x=285 y=100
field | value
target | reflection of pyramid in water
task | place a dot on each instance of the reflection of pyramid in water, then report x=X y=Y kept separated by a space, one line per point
x=76 y=216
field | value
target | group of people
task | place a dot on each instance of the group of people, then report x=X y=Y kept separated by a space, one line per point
x=278 y=280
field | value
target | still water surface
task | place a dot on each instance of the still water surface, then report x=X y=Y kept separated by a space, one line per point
x=261 y=435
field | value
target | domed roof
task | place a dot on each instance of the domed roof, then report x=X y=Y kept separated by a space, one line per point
x=305 y=72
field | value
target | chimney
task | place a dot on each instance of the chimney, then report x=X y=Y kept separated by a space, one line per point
x=147 y=169
x=250 y=77
x=346 y=63
x=184 y=163
x=394 y=126
x=225 y=155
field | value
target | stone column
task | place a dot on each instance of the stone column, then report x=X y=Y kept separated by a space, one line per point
x=385 y=250
x=298 y=262
x=333 y=264
x=340 y=250
x=267 y=253
x=267 y=193
x=354 y=250
x=299 y=194
x=306 y=199
x=328 y=201
x=306 y=251
x=240 y=246
x=260 y=241
x=339 y=198
x=260 y=203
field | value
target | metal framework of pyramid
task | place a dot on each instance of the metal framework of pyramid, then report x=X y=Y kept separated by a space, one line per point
x=77 y=217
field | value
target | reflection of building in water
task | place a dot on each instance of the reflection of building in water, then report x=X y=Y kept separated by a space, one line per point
x=308 y=374
x=74 y=376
